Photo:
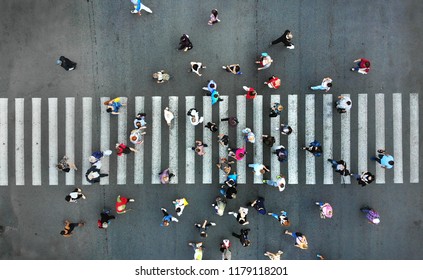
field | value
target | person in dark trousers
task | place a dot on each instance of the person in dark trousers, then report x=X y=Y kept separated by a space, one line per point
x=258 y=204
x=233 y=121
x=211 y=126
x=364 y=179
x=185 y=43
x=66 y=63
x=93 y=174
x=315 y=148
x=167 y=218
x=75 y=195
x=243 y=237
x=285 y=39
x=268 y=140
x=204 y=227
x=340 y=167
x=105 y=219
x=69 y=227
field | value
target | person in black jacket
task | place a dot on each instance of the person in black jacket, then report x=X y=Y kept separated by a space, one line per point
x=185 y=43
x=93 y=174
x=66 y=63
x=243 y=237
x=285 y=39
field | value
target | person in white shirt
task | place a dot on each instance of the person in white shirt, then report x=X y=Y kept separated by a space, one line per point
x=326 y=85
x=343 y=104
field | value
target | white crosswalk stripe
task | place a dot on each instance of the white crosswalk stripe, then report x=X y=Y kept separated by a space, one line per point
x=75 y=122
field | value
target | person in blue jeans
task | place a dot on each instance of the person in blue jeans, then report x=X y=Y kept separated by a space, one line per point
x=385 y=160
x=315 y=148
x=326 y=85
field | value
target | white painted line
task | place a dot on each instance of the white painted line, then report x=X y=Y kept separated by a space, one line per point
x=156 y=140
x=36 y=141
x=139 y=157
x=397 y=133
x=258 y=131
x=87 y=138
x=70 y=137
x=327 y=138
x=346 y=141
x=189 y=142
x=223 y=129
x=275 y=165
x=53 y=142
x=173 y=140
x=310 y=137
x=104 y=140
x=241 y=114
x=3 y=144
x=379 y=134
x=207 y=139
x=123 y=137
x=293 y=139
x=414 y=138
x=19 y=141
x=363 y=155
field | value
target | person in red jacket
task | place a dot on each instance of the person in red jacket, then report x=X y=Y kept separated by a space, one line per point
x=121 y=203
x=274 y=82
x=363 y=66
x=123 y=149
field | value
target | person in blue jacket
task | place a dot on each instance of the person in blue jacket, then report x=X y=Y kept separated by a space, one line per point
x=167 y=218
x=315 y=148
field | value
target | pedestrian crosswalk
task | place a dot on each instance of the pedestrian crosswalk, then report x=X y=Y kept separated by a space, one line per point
x=392 y=121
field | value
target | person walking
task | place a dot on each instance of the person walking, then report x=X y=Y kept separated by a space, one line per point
x=249 y=135
x=121 y=204
x=225 y=165
x=268 y=140
x=264 y=61
x=204 y=227
x=166 y=176
x=233 y=68
x=198 y=250
x=279 y=183
x=315 y=148
x=231 y=191
x=219 y=205
x=137 y=135
x=123 y=149
x=69 y=227
x=215 y=97
x=326 y=85
x=232 y=121
x=340 y=167
x=251 y=92
x=75 y=195
x=363 y=66
x=139 y=120
x=161 y=76
x=243 y=237
x=211 y=86
x=364 y=178
x=96 y=157
x=384 y=159
x=275 y=110
x=273 y=82
x=281 y=152
x=285 y=129
x=300 y=239
x=371 y=215
x=196 y=66
x=185 y=43
x=274 y=256
x=66 y=63
x=194 y=115
x=105 y=218
x=65 y=165
x=93 y=174
x=225 y=246
x=343 y=104
x=326 y=210
x=180 y=204
x=113 y=106
x=214 y=17
x=167 y=218
x=199 y=147
x=286 y=39
x=258 y=168
x=258 y=204
x=241 y=216
x=138 y=6
x=237 y=154
x=223 y=140
x=282 y=218
x=169 y=116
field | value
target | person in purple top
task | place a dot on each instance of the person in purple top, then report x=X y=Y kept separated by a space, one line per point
x=371 y=215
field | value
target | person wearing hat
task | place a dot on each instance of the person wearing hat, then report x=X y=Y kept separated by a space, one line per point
x=275 y=110
x=204 y=227
x=265 y=61
x=75 y=195
x=251 y=92
x=385 y=160
x=285 y=39
x=273 y=82
x=93 y=174
x=105 y=218
x=66 y=63
x=371 y=215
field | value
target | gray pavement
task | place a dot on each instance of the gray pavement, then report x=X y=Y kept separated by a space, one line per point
x=117 y=52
